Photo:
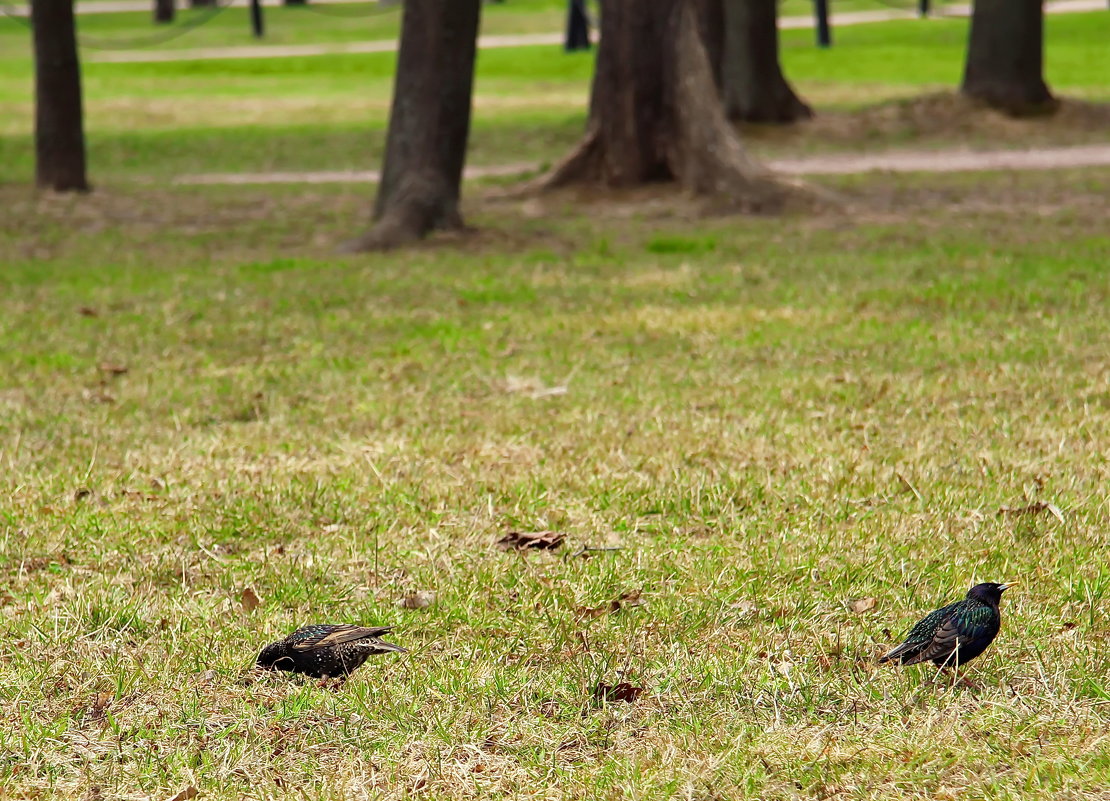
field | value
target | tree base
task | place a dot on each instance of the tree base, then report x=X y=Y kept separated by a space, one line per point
x=1014 y=101
x=700 y=150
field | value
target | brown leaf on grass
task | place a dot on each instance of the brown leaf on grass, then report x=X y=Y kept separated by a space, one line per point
x=421 y=599
x=249 y=600
x=522 y=540
x=618 y=692
x=1034 y=508
x=111 y=368
x=186 y=794
x=81 y=493
x=87 y=311
x=101 y=700
x=861 y=605
x=629 y=598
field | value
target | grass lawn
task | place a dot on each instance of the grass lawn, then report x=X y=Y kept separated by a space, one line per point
x=770 y=418
x=330 y=112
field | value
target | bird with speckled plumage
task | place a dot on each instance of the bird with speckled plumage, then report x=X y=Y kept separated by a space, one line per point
x=955 y=634
x=326 y=650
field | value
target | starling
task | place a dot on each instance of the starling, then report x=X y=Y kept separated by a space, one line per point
x=324 y=651
x=955 y=634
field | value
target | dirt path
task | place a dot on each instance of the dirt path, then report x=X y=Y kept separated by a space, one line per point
x=485 y=42
x=1050 y=158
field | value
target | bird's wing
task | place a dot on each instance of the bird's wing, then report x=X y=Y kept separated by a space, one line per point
x=325 y=636
x=919 y=637
x=965 y=626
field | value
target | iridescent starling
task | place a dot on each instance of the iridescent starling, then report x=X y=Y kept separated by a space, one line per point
x=325 y=651
x=954 y=634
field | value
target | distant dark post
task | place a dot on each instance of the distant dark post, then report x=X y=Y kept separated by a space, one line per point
x=201 y=3
x=578 y=27
x=295 y=2
x=824 y=32
x=923 y=8
x=256 y=19
x=163 y=10
x=59 y=117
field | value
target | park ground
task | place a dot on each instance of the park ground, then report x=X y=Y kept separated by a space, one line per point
x=790 y=436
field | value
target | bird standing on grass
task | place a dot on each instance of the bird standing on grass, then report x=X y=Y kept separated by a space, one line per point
x=955 y=634
x=326 y=651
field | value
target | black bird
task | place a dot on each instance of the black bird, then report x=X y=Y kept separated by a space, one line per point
x=325 y=651
x=955 y=634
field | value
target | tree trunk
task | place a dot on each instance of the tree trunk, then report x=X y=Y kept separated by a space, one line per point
x=1005 y=57
x=295 y=2
x=578 y=27
x=429 y=123
x=59 y=120
x=752 y=84
x=164 y=10
x=201 y=3
x=655 y=114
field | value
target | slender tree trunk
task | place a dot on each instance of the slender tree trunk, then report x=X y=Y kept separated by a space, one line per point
x=578 y=27
x=429 y=123
x=164 y=10
x=655 y=114
x=59 y=119
x=752 y=84
x=1005 y=57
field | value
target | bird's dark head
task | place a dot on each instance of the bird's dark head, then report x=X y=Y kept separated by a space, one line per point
x=269 y=656
x=989 y=592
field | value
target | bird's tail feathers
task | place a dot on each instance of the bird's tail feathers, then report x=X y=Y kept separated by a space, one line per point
x=900 y=653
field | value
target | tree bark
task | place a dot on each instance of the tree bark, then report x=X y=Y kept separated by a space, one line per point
x=429 y=123
x=59 y=118
x=655 y=114
x=164 y=10
x=752 y=84
x=1005 y=57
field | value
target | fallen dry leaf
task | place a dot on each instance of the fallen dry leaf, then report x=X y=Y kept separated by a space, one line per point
x=186 y=794
x=861 y=605
x=101 y=700
x=87 y=311
x=629 y=598
x=421 y=599
x=522 y=540
x=249 y=599
x=81 y=493
x=111 y=368
x=1033 y=509
x=619 y=692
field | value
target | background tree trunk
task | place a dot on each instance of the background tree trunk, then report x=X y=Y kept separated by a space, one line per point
x=1005 y=57
x=164 y=10
x=752 y=84
x=294 y=2
x=429 y=123
x=201 y=3
x=578 y=27
x=59 y=119
x=655 y=114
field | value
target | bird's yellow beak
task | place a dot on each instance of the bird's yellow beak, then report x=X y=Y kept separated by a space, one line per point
x=1007 y=585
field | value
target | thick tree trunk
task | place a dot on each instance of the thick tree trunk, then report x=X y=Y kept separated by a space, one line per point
x=59 y=119
x=752 y=84
x=655 y=114
x=1005 y=57
x=429 y=123
x=164 y=10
